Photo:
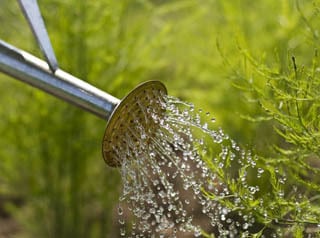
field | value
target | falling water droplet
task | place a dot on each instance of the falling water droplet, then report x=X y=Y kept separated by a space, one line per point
x=122 y=232
x=205 y=126
x=245 y=226
x=197 y=233
x=120 y=211
x=281 y=194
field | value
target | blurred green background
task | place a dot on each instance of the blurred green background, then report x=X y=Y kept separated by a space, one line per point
x=53 y=181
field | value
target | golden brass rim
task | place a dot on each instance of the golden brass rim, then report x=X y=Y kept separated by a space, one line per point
x=126 y=112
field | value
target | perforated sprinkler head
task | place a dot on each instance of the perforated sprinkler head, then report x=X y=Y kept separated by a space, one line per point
x=142 y=106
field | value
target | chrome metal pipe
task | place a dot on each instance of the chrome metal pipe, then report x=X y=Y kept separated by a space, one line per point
x=31 y=70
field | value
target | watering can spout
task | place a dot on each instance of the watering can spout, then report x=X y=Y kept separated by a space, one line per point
x=36 y=72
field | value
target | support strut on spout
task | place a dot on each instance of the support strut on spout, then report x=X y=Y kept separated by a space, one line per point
x=32 y=13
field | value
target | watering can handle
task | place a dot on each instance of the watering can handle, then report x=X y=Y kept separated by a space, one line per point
x=31 y=11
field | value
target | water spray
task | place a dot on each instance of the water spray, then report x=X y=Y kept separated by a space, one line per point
x=47 y=76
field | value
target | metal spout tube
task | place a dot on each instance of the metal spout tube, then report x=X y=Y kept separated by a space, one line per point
x=31 y=70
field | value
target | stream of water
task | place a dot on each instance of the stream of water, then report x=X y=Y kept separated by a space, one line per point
x=172 y=176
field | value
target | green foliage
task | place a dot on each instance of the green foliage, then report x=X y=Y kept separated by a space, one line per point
x=286 y=96
x=290 y=100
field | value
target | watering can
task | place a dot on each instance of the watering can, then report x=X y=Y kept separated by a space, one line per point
x=47 y=76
